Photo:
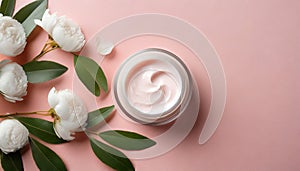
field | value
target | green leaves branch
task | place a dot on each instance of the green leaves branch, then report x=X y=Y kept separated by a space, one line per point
x=88 y=71
x=121 y=139
x=124 y=140
x=94 y=79
x=46 y=159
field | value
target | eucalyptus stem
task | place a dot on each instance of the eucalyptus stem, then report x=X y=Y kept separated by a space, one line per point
x=48 y=47
x=42 y=113
x=44 y=51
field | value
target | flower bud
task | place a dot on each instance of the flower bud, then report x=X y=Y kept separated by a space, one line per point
x=13 y=82
x=12 y=36
x=13 y=135
x=63 y=30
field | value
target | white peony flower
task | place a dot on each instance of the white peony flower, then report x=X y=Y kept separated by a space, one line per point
x=13 y=135
x=13 y=81
x=64 y=31
x=12 y=36
x=71 y=111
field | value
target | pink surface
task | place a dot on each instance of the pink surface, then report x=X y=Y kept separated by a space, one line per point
x=258 y=42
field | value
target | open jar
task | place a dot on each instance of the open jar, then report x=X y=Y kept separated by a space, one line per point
x=153 y=86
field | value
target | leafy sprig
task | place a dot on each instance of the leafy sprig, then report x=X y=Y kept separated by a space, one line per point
x=88 y=71
x=94 y=79
x=46 y=159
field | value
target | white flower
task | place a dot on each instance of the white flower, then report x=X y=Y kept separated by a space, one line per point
x=13 y=81
x=12 y=36
x=13 y=135
x=71 y=111
x=64 y=31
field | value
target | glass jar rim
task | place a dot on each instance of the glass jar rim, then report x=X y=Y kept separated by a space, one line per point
x=119 y=92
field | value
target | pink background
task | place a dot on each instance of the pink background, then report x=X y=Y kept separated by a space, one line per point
x=258 y=42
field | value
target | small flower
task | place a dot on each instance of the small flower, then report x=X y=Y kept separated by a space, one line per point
x=13 y=81
x=12 y=36
x=64 y=31
x=70 y=113
x=13 y=135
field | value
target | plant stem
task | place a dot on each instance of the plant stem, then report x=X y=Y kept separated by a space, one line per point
x=44 y=51
x=42 y=113
x=48 y=47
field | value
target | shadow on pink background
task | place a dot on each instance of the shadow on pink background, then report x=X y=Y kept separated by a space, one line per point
x=258 y=42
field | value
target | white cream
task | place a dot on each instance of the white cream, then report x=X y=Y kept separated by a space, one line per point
x=153 y=87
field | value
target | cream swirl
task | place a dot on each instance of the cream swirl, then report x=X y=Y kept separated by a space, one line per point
x=153 y=87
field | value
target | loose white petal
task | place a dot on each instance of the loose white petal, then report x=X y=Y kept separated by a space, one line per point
x=104 y=47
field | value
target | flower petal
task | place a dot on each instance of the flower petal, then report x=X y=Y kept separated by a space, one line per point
x=4 y=62
x=104 y=47
x=12 y=99
x=52 y=98
x=38 y=22
x=62 y=132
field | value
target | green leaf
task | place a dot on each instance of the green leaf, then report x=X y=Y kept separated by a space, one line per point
x=12 y=161
x=98 y=116
x=27 y=14
x=110 y=156
x=42 y=129
x=90 y=74
x=41 y=71
x=127 y=140
x=7 y=7
x=45 y=158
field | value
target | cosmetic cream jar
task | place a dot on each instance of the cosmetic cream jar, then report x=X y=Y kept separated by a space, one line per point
x=153 y=86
